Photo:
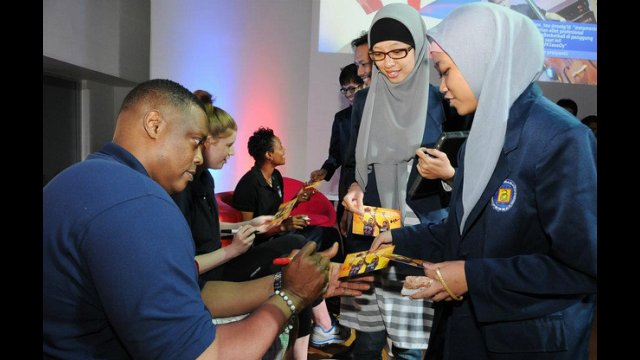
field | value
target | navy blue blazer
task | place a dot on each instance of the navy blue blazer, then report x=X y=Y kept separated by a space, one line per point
x=340 y=134
x=432 y=130
x=529 y=244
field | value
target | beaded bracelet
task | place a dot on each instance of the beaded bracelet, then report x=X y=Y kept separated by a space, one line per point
x=277 y=281
x=446 y=287
x=289 y=326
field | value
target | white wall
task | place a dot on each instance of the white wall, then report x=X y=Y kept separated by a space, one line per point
x=324 y=101
x=109 y=37
x=82 y=33
x=260 y=59
x=253 y=55
x=104 y=47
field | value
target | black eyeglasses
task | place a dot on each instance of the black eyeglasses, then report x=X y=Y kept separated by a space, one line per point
x=349 y=89
x=394 y=54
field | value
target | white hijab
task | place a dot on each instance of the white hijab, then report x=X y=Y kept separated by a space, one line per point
x=394 y=116
x=499 y=52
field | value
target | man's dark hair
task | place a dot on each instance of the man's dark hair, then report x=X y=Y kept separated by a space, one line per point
x=161 y=91
x=259 y=143
x=349 y=74
x=570 y=105
x=363 y=39
x=590 y=119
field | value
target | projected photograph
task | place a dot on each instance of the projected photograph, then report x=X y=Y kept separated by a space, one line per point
x=569 y=28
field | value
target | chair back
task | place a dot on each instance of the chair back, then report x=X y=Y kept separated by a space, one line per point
x=319 y=209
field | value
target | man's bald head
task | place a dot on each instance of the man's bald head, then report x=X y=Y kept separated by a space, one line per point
x=162 y=124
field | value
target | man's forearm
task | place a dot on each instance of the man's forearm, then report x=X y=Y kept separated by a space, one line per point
x=225 y=298
x=262 y=327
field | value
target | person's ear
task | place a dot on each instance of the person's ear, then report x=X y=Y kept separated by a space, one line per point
x=153 y=123
x=268 y=155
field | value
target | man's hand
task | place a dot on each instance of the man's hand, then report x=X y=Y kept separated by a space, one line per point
x=306 y=276
x=347 y=287
x=317 y=175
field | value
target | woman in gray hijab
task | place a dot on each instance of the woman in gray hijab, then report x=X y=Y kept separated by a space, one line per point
x=516 y=260
x=398 y=114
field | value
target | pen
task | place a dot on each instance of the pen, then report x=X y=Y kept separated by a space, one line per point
x=282 y=261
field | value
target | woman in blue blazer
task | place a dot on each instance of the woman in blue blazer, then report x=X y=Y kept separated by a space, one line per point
x=515 y=263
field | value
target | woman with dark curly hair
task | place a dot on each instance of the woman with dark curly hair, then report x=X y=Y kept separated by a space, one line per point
x=260 y=192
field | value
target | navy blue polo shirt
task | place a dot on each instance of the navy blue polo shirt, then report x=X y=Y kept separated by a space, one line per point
x=118 y=266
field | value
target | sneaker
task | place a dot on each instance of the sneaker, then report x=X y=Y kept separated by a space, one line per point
x=337 y=334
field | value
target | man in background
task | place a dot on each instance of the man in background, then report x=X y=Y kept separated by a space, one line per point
x=360 y=47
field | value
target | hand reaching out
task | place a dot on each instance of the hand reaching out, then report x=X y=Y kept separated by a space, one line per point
x=453 y=275
x=317 y=175
x=346 y=287
x=353 y=200
x=383 y=239
x=262 y=223
x=337 y=287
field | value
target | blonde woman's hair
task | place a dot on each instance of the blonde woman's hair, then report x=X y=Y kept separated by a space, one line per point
x=221 y=124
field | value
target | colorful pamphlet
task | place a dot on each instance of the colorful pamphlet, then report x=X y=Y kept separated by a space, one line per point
x=376 y=220
x=283 y=211
x=313 y=185
x=365 y=261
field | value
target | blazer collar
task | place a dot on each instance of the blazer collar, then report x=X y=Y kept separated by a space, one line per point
x=518 y=116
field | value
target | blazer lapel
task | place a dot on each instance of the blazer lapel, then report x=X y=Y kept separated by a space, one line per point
x=499 y=174
x=517 y=120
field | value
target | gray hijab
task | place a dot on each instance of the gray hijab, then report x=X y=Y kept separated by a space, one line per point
x=499 y=52
x=394 y=116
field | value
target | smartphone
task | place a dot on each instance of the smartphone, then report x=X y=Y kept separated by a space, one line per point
x=449 y=143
